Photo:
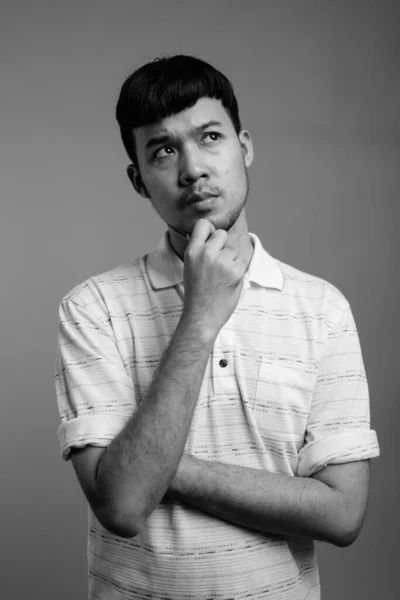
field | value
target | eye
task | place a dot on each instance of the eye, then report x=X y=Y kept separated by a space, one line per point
x=214 y=133
x=157 y=153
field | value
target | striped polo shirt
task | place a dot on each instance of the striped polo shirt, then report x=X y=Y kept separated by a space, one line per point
x=284 y=391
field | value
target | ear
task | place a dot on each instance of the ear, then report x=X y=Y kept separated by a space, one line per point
x=247 y=147
x=136 y=180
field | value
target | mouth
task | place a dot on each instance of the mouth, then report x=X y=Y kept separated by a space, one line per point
x=195 y=198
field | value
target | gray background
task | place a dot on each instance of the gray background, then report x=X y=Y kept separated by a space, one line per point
x=318 y=88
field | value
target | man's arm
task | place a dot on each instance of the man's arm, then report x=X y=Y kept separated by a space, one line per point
x=329 y=506
x=136 y=468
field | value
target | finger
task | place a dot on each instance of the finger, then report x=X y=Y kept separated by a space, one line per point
x=201 y=232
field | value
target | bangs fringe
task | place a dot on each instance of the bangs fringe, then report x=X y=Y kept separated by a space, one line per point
x=168 y=86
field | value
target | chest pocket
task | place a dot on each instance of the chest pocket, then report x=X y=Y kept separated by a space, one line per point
x=283 y=400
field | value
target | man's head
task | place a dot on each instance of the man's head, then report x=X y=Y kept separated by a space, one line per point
x=180 y=126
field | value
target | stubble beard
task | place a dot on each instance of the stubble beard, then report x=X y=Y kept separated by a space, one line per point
x=236 y=213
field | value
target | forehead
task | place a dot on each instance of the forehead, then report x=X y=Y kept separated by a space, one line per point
x=205 y=109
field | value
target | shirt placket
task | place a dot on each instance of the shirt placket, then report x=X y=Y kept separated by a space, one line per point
x=223 y=368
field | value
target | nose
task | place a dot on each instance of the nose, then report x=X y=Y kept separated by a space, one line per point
x=192 y=166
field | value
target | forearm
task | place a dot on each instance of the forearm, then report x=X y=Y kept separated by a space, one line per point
x=137 y=467
x=256 y=499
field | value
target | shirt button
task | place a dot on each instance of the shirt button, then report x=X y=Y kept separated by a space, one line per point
x=223 y=362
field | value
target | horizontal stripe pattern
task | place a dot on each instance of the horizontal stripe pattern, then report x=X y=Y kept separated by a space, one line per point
x=292 y=398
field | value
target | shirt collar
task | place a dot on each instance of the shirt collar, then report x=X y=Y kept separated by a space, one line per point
x=165 y=268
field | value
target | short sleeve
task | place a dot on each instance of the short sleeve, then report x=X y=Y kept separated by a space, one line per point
x=338 y=427
x=95 y=394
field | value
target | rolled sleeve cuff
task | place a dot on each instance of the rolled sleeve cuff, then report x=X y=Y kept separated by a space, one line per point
x=97 y=430
x=343 y=447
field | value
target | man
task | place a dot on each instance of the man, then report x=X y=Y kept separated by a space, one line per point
x=213 y=399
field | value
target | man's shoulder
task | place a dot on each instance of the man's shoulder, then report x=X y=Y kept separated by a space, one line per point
x=306 y=286
x=106 y=286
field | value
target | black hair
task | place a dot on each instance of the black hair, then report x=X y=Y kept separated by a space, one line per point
x=166 y=86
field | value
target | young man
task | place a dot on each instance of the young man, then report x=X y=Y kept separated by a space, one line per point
x=213 y=399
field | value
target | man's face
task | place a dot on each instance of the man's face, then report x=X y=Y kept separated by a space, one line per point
x=194 y=151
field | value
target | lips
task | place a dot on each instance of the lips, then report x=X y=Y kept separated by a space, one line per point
x=200 y=197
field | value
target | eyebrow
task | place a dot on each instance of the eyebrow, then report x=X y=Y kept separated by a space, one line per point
x=162 y=139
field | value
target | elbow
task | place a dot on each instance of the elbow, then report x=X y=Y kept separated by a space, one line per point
x=118 y=518
x=125 y=532
x=125 y=529
x=116 y=509
x=346 y=533
x=122 y=526
x=345 y=539
x=346 y=521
